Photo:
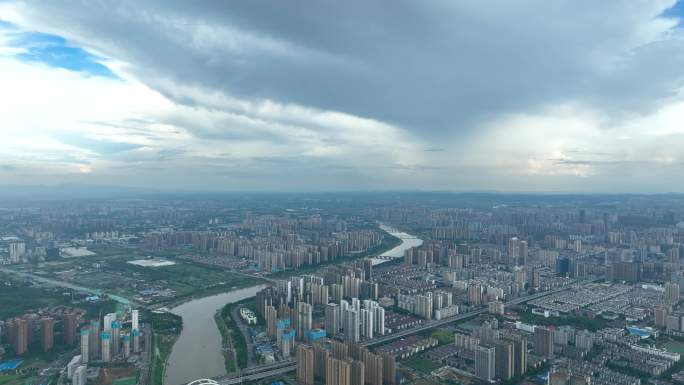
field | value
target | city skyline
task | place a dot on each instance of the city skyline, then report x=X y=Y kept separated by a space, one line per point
x=532 y=96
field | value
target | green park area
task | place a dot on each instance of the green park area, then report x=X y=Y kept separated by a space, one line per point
x=443 y=336
x=186 y=279
x=591 y=324
x=14 y=379
x=420 y=364
x=19 y=296
x=167 y=328
x=113 y=274
x=233 y=340
x=674 y=346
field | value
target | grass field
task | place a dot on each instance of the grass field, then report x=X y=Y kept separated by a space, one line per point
x=229 y=358
x=13 y=379
x=185 y=279
x=674 y=347
x=443 y=336
x=420 y=364
x=167 y=327
x=112 y=274
x=20 y=298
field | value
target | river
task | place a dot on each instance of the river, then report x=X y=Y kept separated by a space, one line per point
x=197 y=352
x=407 y=241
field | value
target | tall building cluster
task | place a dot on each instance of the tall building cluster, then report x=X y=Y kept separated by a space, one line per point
x=288 y=307
x=276 y=243
x=498 y=354
x=343 y=363
x=107 y=340
x=40 y=329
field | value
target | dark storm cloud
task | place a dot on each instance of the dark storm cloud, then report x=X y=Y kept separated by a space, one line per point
x=435 y=67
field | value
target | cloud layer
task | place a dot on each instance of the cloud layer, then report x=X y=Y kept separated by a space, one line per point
x=536 y=95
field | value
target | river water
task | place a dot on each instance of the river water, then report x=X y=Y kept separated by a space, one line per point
x=197 y=352
x=407 y=241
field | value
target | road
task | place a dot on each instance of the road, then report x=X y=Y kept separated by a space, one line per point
x=264 y=371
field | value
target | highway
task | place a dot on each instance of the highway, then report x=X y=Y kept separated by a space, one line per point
x=278 y=368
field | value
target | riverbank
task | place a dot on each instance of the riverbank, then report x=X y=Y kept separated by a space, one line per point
x=390 y=242
x=214 y=290
x=167 y=327
x=227 y=343
x=233 y=337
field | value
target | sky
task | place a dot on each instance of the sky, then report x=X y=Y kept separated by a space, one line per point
x=527 y=95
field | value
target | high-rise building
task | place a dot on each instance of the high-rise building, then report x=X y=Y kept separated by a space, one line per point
x=535 y=279
x=271 y=316
x=368 y=269
x=287 y=342
x=17 y=331
x=107 y=321
x=373 y=366
x=672 y=292
x=351 y=326
x=543 y=342
x=135 y=336
x=135 y=320
x=115 y=338
x=320 y=360
x=340 y=350
x=584 y=340
x=496 y=307
x=47 y=335
x=624 y=271
x=94 y=340
x=70 y=322
x=105 y=346
x=423 y=306
x=303 y=319
x=332 y=319
x=72 y=365
x=126 y=345
x=389 y=369
x=660 y=316
x=284 y=287
x=338 y=372
x=358 y=372
x=17 y=251
x=80 y=375
x=504 y=353
x=475 y=294
x=517 y=251
x=367 y=324
x=305 y=365
x=380 y=320
x=85 y=341
x=519 y=354
x=485 y=363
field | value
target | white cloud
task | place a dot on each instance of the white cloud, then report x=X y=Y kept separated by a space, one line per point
x=532 y=95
